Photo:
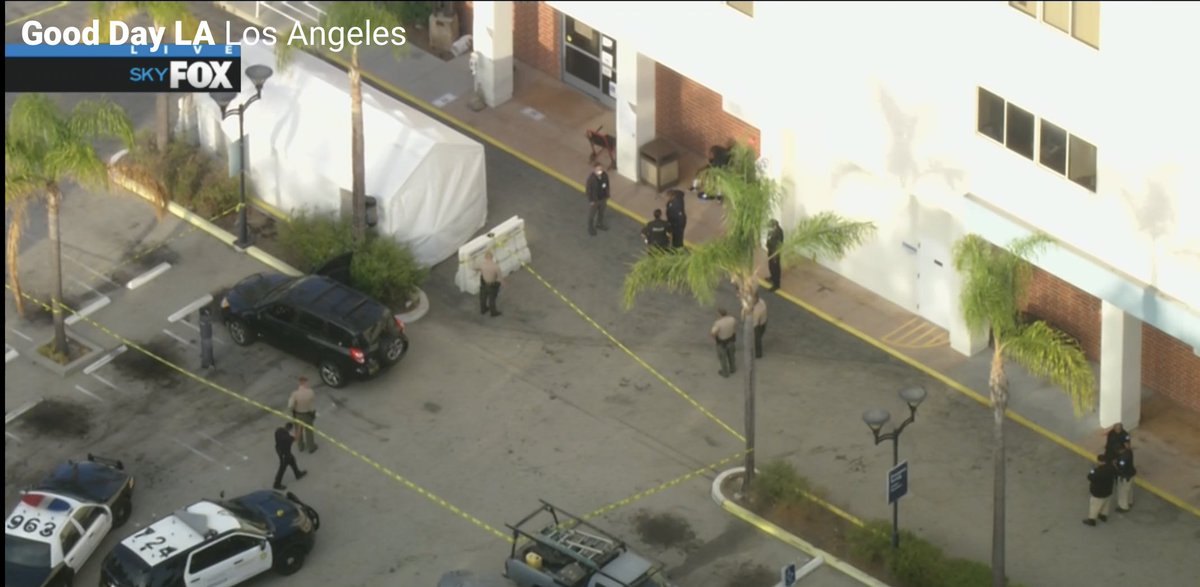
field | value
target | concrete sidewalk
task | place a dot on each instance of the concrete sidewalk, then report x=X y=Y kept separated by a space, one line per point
x=545 y=124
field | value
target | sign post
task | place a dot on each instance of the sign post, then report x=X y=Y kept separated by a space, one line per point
x=897 y=487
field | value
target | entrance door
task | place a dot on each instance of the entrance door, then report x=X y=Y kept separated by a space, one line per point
x=933 y=281
x=590 y=60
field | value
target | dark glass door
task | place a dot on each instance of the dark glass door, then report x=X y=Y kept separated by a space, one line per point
x=589 y=60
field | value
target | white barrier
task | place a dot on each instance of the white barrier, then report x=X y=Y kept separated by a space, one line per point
x=506 y=240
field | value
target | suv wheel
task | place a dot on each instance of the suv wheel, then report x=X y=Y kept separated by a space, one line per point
x=121 y=510
x=333 y=375
x=290 y=560
x=396 y=348
x=240 y=333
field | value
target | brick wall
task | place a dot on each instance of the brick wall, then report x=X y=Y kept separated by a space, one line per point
x=1170 y=367
x=536 y=39
x=466 y=16
x=1067 y=308
x=691 y=115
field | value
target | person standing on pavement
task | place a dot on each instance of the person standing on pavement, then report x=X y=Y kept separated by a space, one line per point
x=303 y=405
x=597 y=195
x=760 y=325
x=724 y=332
x=490 y=280
x=655 y=233
x=284 y=436
x=676 y=217
x=1115 y=438
x=774 y=241
x=1125 y=474
x=1100 y=485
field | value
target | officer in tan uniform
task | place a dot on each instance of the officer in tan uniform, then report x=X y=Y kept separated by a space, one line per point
x=724 y=332
x=302 y=404
x=760 y=325
x=490 y=280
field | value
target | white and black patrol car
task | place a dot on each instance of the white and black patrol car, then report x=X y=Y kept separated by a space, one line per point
x=59 y=523
x=216 y=542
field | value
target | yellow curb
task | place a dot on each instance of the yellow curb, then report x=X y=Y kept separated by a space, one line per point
x=269 y=260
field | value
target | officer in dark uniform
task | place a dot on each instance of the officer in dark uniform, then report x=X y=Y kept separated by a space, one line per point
x=676 y=217
x=655 y=233
x=774 y=241
x=1125 y=474
x=1115 y=439
x=1101 y=479
x=284 y=437
x=597 y=195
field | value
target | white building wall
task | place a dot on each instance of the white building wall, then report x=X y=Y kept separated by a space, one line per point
x=872 y=107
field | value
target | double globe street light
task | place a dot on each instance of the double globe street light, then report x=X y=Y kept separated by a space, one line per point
x=875 y=419
x=258 y=74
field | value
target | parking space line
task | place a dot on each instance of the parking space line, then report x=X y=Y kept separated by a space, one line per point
x=12 y=436
x=90 y=270
x=21 y=334
x=222 y=445
x=407 y=483
x=10 y=353
x=178 y=338
x=85 y=311
x=17 y=413
x=201 y=454
x=193 y=306
x=84 y=391
x=670 y=384
x=215 y=338
x=145 y=278
x=106 y=359
x=88 y=287
x=106 y=382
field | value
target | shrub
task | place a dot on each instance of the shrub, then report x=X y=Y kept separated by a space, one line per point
x=778 y=483
x=382 y=268
x=411 y=14
x=193 y=178
x=917 y=563
x=967 y=573
x=872 y=542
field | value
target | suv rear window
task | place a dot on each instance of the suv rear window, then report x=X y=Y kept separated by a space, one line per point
x=381 y=321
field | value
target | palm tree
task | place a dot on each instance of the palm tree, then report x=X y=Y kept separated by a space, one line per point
x=43 y=147
x=161 y=14
x=349 y=15
x=750 y=198
x=995 y=281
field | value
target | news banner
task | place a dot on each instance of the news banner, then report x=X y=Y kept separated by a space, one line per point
x=122 y=68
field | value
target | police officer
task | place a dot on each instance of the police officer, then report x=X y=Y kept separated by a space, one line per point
x=302 y=404
x=760 y=325
x=724 y=332
x=1125 y=474
x=1100 y=485
x=490 y=280
x=676 y=217
x=597 y=195
x=1116 y=438
x=284 y=436
x=774 y=241
x=655 y=233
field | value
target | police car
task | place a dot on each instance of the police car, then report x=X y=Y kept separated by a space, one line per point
x=216 y=542
x=59 y=523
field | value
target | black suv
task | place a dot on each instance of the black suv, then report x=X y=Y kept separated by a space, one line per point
x=340 y=329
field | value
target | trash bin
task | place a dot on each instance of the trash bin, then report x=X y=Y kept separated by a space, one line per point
x=660 y=164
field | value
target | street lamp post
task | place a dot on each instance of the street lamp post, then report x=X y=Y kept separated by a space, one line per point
x=259 y=75
x=875 y=419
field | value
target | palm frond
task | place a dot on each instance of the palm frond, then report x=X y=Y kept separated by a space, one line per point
x=93 y=119
x=825 y=235
x=750 y=195
x=990 y=293
x=697 y=272
x=35 y=120
x=1054 y=355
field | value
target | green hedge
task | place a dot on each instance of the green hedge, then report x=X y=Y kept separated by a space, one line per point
x=382 y=268
x=193 y=178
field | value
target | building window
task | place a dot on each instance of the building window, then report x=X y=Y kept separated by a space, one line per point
x=1029 y=8
x=1078 y=19
x=1083 y=163
x=991 y=115
x=1056 y=149
x=1053 y=147
x=1018 y=131
x=746 y=8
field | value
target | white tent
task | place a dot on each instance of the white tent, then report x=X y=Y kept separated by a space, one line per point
x=429 y=179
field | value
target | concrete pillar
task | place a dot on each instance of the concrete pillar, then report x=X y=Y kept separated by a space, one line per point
x=635 y=107
x=962 y=339
x=492 y=37
x=1120 y=367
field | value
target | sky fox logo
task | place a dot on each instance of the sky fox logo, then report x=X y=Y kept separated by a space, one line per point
x=200 y=76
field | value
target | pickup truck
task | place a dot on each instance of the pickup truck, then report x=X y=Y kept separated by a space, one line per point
x=563 y=550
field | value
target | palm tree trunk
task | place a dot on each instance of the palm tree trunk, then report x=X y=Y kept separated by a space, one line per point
x=60 y=327
x=162 y=121
x=747 y=299
x=11 y=256
x=358 y=196
x=998 y=383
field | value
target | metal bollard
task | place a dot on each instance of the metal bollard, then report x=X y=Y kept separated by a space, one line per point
x=206 y=340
